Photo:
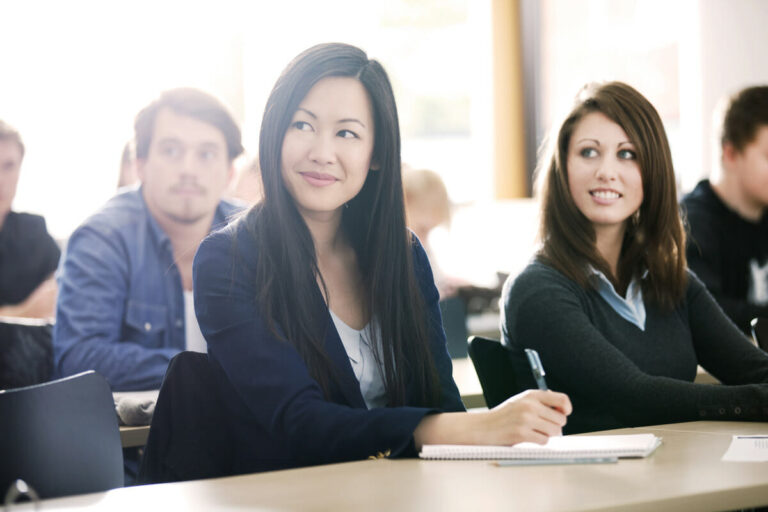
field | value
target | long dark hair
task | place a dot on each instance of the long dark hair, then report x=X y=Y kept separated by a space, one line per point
x=654 y=239
x=373 y=223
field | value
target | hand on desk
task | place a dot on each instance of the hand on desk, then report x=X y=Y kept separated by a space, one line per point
x=531 y=416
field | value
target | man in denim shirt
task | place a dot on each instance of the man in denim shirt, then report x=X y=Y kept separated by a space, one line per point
x=125 y=281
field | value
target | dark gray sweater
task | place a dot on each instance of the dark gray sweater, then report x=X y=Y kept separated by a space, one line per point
x=721 y=248
x=620 y=376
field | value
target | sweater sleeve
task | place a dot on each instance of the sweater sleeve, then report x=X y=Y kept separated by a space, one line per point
x=721 y=348
x=270 y=376
x=546 y=311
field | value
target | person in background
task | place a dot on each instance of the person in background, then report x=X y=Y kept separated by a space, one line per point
x=28 y=254
x=128 y=175
x=125 y=304
x=427 y=206
x=247 y=186
x=319 y=306
x=619 y=321
x=726 y=216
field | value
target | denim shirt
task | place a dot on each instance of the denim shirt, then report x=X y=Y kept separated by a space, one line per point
x=120 y=309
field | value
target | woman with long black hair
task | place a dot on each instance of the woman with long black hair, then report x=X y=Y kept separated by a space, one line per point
x=319 y=306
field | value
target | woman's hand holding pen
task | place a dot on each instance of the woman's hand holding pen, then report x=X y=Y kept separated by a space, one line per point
x=532 y=416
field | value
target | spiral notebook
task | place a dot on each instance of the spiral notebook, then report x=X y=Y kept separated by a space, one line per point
x=623 y=446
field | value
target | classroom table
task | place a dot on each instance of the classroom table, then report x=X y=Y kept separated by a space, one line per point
x=133 y=436
x=684 y=474
x=469 y=385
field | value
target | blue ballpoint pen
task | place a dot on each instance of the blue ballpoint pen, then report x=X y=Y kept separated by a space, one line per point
x=537 y=368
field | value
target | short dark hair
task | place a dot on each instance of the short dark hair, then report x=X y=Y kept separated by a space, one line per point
x=747 y=111
x=8 y=132
x=193 y=103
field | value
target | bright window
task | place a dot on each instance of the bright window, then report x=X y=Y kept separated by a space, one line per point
x=76 y=73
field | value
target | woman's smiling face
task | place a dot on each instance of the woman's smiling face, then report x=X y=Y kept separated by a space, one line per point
x=327 y=149
x=603 y=172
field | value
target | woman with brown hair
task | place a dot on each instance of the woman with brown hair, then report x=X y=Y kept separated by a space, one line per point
x=618 y=320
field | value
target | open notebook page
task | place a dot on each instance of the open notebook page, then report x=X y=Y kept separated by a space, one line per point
x=634 y=445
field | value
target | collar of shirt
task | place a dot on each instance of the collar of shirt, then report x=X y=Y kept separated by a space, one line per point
x=631 y=308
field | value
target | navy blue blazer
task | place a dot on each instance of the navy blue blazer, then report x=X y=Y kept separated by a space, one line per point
x=277 y=411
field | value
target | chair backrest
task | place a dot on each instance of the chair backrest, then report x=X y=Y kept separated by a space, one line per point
x=61 y=437
x=454 y=313
x=494 y=369
x=760 y=332
x=26 y=352
x=189 y=437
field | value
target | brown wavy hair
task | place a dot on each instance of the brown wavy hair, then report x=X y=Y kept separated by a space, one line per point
x=654 y=240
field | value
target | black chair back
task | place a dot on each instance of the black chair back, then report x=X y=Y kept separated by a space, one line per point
x=189 y=438
x=26 y=352
x=760 y=332
x=61 y=437
x=454 y=313
x=494 y=369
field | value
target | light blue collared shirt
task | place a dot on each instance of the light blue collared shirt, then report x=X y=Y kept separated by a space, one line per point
x=631 y=308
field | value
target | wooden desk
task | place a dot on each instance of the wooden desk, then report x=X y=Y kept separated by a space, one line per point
x=703 y=377
x=134 y=436
x=469 y=385
x=684 y=474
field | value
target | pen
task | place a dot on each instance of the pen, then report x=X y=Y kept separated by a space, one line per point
x=537 y=368
x=543 y=462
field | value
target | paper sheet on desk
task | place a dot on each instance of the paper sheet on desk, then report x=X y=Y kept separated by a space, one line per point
x=747 y=449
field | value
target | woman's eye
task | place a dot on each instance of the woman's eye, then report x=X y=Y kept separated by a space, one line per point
x=627 y=154
x=347 y=134
x=588 y=152
x=302 y=125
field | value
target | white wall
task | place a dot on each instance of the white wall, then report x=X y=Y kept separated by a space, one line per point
x=732 y=54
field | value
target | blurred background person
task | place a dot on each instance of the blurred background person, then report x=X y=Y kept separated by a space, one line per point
x=428 y=209
x=726 y=215
x=247 y=185
x=427 y=206
x=126 y=305
x=28 y=254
